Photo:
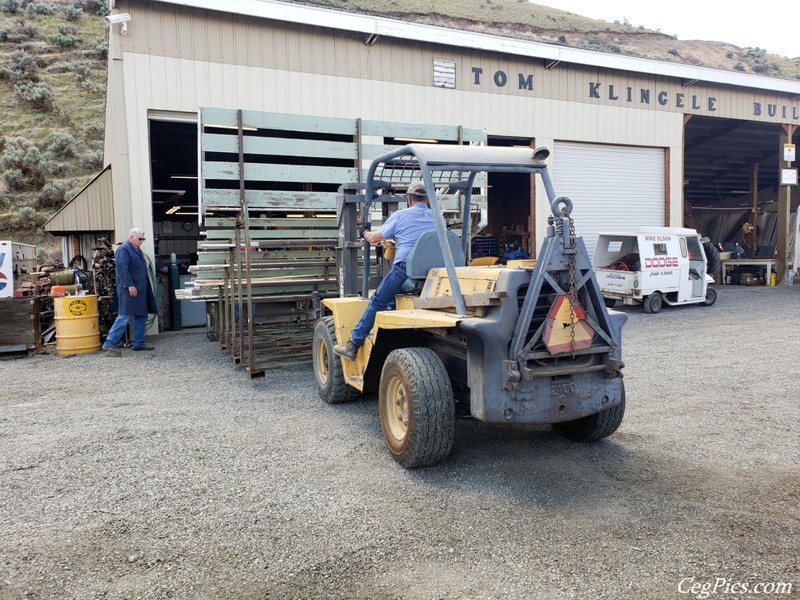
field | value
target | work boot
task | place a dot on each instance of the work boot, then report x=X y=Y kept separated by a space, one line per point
x=143 y=348
x=111 y=351
x=347 y=351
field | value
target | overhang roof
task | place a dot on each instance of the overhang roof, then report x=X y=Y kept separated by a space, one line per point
x=92 y=208
x=382 y=26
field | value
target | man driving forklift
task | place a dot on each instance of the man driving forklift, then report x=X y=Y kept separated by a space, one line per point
x=405 y=227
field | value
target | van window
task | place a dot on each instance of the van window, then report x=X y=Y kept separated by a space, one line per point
x=694 y=248
x=659 y=249
x=683 y=247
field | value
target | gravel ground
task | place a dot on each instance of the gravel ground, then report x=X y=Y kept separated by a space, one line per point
x=170 y=474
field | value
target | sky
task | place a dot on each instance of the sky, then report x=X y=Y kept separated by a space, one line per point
x=771 y=26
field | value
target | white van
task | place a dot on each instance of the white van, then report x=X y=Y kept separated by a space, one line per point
x=652 y=266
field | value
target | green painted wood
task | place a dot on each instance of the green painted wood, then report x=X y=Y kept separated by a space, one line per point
x=265 y=199
x=268 y=172
x=291 y=223
x=277 y=234
x=279 y=121
x=276 y=146
x=419 y=131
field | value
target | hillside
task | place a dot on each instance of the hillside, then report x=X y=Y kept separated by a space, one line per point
x=53 y=77
x=524 y=20
x=52 y=109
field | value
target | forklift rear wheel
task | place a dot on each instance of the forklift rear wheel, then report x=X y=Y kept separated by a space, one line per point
x=417 y=410
x=711 y=296
x=328 y=370
x=652 y=304
x=594 y=427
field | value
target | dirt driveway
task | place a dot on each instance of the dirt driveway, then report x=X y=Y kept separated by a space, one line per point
x=172 y=475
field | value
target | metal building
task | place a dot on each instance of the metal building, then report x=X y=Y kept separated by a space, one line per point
x=635 y=142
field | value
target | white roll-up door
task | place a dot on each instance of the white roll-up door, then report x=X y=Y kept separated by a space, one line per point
x=612 y=188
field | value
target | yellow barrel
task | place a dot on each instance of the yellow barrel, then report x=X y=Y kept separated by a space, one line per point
x=77 y=325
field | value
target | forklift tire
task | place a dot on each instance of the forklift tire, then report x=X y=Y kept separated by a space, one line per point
x=594 y=427
x=711 y=297
x=328 y=370
x=417 y=410
x=652 y=304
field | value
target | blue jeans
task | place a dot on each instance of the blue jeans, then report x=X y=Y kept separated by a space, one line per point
x=118 y=330
x=380 y=300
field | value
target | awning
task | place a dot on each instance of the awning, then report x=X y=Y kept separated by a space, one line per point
x=92 y=208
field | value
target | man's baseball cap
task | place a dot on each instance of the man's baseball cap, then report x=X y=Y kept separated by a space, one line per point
x=417 y=188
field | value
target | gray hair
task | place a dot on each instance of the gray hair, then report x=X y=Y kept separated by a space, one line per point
x=135 y=232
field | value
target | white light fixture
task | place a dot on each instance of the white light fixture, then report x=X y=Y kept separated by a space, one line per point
x=120 y=19
x=179 y=192
x=183 y=176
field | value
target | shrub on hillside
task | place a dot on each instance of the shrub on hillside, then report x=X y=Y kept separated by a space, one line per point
x=11 y=7
x=100 y=48
x=66 y=37
x=52 y=194
x=38 y=96
x=14 y=178
x=26 y=30
x=19 y=153
x=61 y=144
x=92 y=7
x=92 y=161
x=24 y=65
x=95 y=129
x=71 y=13
x=35 y=10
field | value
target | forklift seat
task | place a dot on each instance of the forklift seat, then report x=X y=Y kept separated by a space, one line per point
x=426 y=255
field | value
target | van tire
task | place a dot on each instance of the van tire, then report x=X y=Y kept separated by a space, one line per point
x=711 y=296
x=328 y=371
x=594 y=427
x=610 y=302
x=416 y=407
x=652 y=304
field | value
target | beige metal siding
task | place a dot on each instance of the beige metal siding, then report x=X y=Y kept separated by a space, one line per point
x=91 y=209
x=218 y=38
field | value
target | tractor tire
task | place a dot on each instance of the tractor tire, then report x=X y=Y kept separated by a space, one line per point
x=417 y=410
x=711 y=296
x=594 y=427
x=652 y=304
x=328 y=371
x=610 y=302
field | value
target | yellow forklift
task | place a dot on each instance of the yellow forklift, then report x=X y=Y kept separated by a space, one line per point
x=525 y=342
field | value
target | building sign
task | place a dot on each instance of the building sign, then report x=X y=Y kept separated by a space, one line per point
x=501 y=79
x=700 y=102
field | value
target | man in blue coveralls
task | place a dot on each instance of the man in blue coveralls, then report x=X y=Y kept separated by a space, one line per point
x=134 y=295
x=405 y=226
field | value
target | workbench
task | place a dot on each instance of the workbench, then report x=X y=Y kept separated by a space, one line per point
x=768 y=263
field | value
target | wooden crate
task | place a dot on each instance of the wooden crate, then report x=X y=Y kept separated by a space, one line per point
x=20 y=327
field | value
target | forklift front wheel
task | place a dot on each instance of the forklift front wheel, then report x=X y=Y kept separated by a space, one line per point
x=328 y=371
x=652 y=304
x=711 y=296
x=417 y=411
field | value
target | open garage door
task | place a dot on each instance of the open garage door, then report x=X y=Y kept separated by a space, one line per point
x=613 y=188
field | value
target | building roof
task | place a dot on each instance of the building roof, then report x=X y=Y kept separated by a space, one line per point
x=371 y=25
x=91 y=209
